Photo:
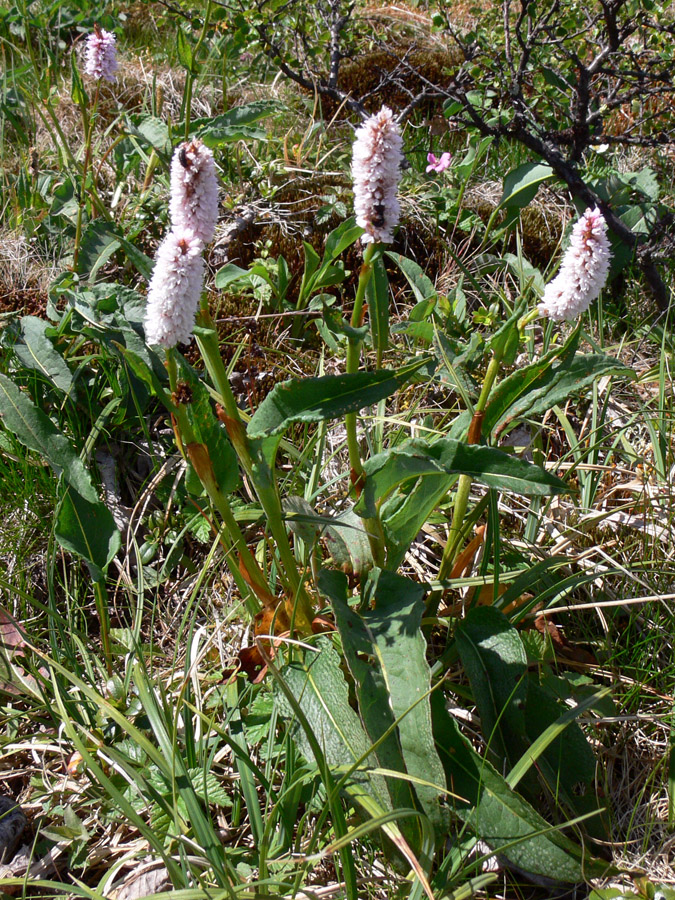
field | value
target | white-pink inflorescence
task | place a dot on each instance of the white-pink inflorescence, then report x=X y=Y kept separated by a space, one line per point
x=175 y=289
x=194 y=190
x=376 y=170
x=100 y=57
x=583 y=271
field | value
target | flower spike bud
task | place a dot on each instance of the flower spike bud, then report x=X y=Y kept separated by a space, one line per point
x=583 y=271
x=194 y=190
x=376 y=170
x=175 y=289
x=100 y=59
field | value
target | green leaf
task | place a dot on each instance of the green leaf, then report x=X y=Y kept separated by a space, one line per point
x=234 y=125
x=422 y=286
x=328 y=397
x=319 y=687
x=567 y=763
x=495 y=661
x=391 y=638
x=348 y=544
x=229 y=274
x=340 y=238
x=88 y=530
x=404 y=514
x=36 y=431
x=155 y=132
x=536 y=388
x=38 y=352
x=78 y=93
x=208 y=430
x=99 y=241
x=500 y=817
x=311 y=265
x=415 y=459
x=377 y=295
x=184 y=48
x=522 y=183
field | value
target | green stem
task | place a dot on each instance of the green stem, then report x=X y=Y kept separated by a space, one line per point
x=256 y=467
x=101 y=596
x=453 y=545
x=221 y=503
x=354 y=356
x=88 y=124
x=373 y=527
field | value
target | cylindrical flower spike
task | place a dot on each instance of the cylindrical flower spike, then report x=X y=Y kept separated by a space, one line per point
x=100 y=60
x=175 y=289
x=583 y=271
x=376 y=170
x=194 y=190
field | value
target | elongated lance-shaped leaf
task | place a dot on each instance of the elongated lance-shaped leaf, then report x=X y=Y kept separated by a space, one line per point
x=416 y=458
x=395 y=681
x=494 y=658
x=319 y=687
x=328 y=397
x=500 y=817
x=375 y=707
x=37 y=351
x=377 y=295
x=88 y=530
x=536 y=388
x=36 y=431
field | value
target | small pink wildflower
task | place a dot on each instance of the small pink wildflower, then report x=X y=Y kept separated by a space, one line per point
x=376 y=170
x=438 y=165
x=175 y=289
x=583 y=271
x=194 y=190
x=100 y=60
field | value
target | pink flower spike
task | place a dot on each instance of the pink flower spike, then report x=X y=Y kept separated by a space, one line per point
x=100 y=60
x=174 y=290
x=376 y=170
x=583 y=271
x=194 y=190
x=438 y=165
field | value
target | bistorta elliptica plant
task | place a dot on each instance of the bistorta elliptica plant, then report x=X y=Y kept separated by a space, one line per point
x=178 y=276
x=100 y=59
x=583 y=271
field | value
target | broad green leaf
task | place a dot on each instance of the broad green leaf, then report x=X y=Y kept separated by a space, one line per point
x=37 y=351
x=78 y=93
x=534 y=389
x=230 y=274
x=499 y=816
x=155 y=132
x=328 y=397
x=99 y=241
x=377 y=295
x=348 y=544
x=311 y=265
x=37 y=432
x=319 y=687
x=185 y=54
x=340 y=238
x=372 y=691
x=88 y=530
x=208 y=430
x=495 y=662
x=235 y=124
x=567 y=763
x=404 y=514
x=392 y=612
x=522 y=183
x=421 y=285
x=416 y=458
